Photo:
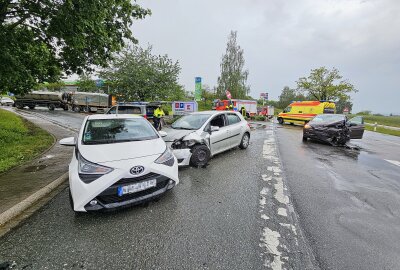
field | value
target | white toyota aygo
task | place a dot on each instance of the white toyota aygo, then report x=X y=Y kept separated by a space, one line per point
x=119 y=160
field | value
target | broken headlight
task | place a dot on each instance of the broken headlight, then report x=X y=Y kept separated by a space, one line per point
x=179 y=144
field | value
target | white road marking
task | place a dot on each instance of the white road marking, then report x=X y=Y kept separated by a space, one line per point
x=270 y=240
x=282 y=212
x=394 y=162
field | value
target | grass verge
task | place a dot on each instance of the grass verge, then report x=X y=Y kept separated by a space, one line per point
x=393 y=121
x=20 y=140
x=384 y=130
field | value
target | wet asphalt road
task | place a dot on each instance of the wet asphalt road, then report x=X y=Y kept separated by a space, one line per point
x=347 y=203
x=209 y=221
x=348 y=200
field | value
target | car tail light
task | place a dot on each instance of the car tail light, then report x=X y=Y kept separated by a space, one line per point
x=145 y=116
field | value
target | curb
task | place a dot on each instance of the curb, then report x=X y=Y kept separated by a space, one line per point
x=20 y=207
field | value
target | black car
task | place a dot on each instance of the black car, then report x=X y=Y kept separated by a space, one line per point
x=334 y=129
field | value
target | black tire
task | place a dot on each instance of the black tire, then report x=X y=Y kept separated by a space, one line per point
x=86 y=109
x=19 y=106
x=280 y=120
x=76 y=109
x=200 y=156
x=51 y=107
x=32 y=107
x=244 y=143
x=305 y=138
x=65 y=108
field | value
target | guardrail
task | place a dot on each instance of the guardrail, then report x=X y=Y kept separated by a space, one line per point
x=375 y=125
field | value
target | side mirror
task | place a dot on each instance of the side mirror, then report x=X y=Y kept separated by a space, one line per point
x=163 y=133
x=70 y=141
x=214 y=128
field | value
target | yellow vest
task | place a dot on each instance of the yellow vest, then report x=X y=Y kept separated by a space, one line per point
x=158 y=113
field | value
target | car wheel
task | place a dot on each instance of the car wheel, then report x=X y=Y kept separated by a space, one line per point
x=19 y=106
x=65 y=108
x=31 y=107
x=245 y=141
x=86 y=109
x=305 y=138
x=51 y=107
x=200 y=155
x=76 y=109
x=280 y=120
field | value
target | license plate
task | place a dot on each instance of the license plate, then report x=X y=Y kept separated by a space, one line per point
x=136 y=187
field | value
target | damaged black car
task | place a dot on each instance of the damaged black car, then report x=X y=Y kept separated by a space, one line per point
x=334 y=129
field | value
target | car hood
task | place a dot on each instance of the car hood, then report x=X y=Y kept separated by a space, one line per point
x=326 y=125
x=100 y=153
x=173 y=134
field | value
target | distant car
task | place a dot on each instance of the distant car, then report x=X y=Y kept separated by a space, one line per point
x=334 y=129
x=119 y=160
x=141 y=108
x=196 y=137
x=6 y=101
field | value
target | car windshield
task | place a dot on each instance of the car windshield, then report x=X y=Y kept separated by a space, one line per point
x=104 y=131
x=327 y=118
x=191 y=121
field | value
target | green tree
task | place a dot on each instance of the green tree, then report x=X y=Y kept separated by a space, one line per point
x=41 y=39
x=86 y=83
x=287 y=96
x=137 y=74
x=324 y=84
x=233 y=75
x=54 y=86
x=343 y=102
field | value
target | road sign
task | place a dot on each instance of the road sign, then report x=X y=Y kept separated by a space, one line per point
x=197 y=89
x=264 y=96
x=184 y=107
x=99 y=83
x=228 y=94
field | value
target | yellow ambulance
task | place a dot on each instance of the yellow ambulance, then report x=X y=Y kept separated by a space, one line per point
x=300 y=112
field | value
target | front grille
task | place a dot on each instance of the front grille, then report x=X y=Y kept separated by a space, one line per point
x=110 y=195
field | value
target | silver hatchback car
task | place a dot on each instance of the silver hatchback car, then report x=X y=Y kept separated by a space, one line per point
x=196 y=137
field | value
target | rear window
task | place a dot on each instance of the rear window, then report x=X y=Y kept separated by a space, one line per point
x=105 y=131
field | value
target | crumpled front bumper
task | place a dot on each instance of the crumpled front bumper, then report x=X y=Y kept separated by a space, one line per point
x=183 y=156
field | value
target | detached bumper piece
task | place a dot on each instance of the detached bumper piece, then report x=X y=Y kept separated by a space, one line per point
x=109 y=198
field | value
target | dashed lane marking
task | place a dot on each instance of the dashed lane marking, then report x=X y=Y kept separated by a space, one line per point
x=394 y=162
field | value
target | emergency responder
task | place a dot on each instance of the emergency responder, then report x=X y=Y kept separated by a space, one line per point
x=231 y=107
x=226 y=108
x=158 y=113
x=243 y=111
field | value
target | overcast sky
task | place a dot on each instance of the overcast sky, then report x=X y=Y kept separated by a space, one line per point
x=283 y=41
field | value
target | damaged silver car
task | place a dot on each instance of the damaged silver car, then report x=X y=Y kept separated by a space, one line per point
x=196 y=137
x=334 y=129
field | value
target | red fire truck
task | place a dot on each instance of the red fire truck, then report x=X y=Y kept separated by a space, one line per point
x=237 y=104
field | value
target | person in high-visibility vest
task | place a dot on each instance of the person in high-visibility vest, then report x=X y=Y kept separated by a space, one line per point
x=231 y=107
x=158 y=113
x=243 y=111
x=226 y=108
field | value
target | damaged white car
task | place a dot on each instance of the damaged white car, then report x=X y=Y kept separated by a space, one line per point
x=196 y=137
x=119 y=160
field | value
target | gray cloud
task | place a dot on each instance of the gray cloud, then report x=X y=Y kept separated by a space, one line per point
x=282 y=41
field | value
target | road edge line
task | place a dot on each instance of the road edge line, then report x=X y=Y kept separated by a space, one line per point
x=20 y=207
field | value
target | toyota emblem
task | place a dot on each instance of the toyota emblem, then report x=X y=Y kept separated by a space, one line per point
x=137 y=170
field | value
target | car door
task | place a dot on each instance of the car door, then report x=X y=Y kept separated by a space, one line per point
x=218 y=138
x=356 y=127
x=235 y=129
